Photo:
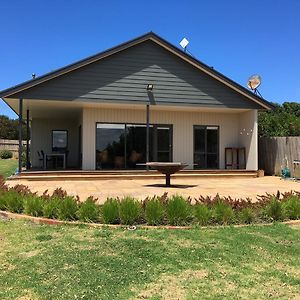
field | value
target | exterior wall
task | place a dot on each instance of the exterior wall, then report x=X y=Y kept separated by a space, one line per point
x=182 y=122
x=248 y=137
x=123 y=78
x=41 y=138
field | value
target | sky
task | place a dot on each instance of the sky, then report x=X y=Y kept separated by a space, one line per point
x=237 y=37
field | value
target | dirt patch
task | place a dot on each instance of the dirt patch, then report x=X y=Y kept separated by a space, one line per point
x=171 y=287
x=30 y=253
x=29 y=296
x=7 y=266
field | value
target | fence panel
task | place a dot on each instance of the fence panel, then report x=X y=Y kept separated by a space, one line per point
x=11 y=145
x=272 y=151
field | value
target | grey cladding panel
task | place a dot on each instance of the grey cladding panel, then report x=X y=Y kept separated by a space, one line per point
x=123 y=77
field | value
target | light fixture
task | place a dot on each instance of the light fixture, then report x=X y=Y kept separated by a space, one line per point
x=149 y=87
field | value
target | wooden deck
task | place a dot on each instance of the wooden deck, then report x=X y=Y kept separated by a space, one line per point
x=128 y=174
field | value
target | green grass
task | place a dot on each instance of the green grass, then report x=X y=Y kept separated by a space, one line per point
x=77 y=262
x=8 y=167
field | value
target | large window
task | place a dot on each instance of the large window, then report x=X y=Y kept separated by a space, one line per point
x=59 y=140
x=206 y=147
x=123 y=146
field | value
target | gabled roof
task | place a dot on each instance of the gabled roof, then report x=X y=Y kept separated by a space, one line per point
x=149 y=36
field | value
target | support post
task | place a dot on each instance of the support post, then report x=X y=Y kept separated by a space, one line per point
x=27 y=140
x=20 y=134
x=168 y=179
x=147 y=134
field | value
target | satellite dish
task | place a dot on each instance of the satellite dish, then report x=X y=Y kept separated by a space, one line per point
x=254 y=82
x=184 y=42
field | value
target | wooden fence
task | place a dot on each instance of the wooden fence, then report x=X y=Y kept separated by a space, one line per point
x=273 y=151
x=11 y=145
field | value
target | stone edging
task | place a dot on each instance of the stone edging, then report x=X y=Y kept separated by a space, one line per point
x=39 y=220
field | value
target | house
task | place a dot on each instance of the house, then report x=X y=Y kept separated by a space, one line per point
x=144 y=100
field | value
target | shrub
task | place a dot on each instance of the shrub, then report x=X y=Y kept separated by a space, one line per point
x=33 y=205
x=2 y=201
x=88 y=211
x=274 y=209
x=13 y=201
x=50 y=209
x=110 y=211
x=246 y=215
x=178 y=210
x=223 y=213
x=129 y=211
x=67 y=208
x=154 y=211
x=291 y=207
x=202 y=213
x=6 y=154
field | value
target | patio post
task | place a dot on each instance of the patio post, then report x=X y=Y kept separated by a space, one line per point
x=20 y=133
x=27 y=140
x=147 y=134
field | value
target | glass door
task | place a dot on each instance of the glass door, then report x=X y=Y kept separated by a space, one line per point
x=161 y=143
x=206 y=147
x=123 y=146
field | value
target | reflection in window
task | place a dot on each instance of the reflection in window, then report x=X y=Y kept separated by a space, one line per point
x=59 y=140
x=110 y=146
x=120 y=146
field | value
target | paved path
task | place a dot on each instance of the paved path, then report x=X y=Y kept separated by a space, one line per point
x=235 y=187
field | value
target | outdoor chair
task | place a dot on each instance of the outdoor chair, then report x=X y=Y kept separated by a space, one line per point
x=41 y=159
x=47 y=160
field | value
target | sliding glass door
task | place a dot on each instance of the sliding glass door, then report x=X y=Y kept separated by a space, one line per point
x=206 y=147
x=123 y=146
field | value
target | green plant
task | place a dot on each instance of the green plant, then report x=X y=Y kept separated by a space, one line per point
x=273 y=210
x=246 y=215
x=50 y=209
x=154 y=211
x=223 y=213
x=291 y=207
x=13 y=201
x=202 y=213
x=6 y=154
x=67 y=208
x=2 y=200
x=33 y=205
x=110 y=211
x=129 y=211
x=88 y=211
x=178 y=210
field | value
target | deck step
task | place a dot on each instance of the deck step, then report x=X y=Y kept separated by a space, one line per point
x=62 y=176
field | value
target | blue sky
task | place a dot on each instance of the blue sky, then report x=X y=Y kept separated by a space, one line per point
x=239 y=38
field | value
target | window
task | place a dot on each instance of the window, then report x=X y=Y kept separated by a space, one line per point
x=59 y=140
x=123 y=146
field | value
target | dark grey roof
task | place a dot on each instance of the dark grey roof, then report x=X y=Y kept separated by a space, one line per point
x=149 y=36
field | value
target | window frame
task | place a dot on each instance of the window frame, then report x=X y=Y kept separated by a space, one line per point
x=67 y=142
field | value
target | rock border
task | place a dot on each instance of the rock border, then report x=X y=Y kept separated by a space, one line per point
x=40 y=220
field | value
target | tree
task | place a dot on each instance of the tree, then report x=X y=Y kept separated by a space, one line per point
x=9 y=128
x=284 y=120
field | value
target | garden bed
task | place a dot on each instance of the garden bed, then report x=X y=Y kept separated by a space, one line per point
x=156 y=211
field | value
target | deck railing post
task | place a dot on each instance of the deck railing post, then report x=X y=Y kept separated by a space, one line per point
x=20 y=133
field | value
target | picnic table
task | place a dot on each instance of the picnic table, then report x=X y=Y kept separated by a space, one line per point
x=167 y=168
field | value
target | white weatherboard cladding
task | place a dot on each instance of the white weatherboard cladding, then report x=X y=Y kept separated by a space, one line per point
x=183 y=122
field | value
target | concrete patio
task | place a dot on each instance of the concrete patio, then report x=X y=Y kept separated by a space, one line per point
x=141 y=188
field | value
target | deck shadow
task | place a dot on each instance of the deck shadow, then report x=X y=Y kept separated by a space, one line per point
x=176 y=186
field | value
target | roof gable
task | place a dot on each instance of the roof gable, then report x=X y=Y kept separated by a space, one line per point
x=121 y=74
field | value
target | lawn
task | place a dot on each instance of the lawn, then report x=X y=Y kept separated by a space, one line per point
x=8 y=166
x=77 y=262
